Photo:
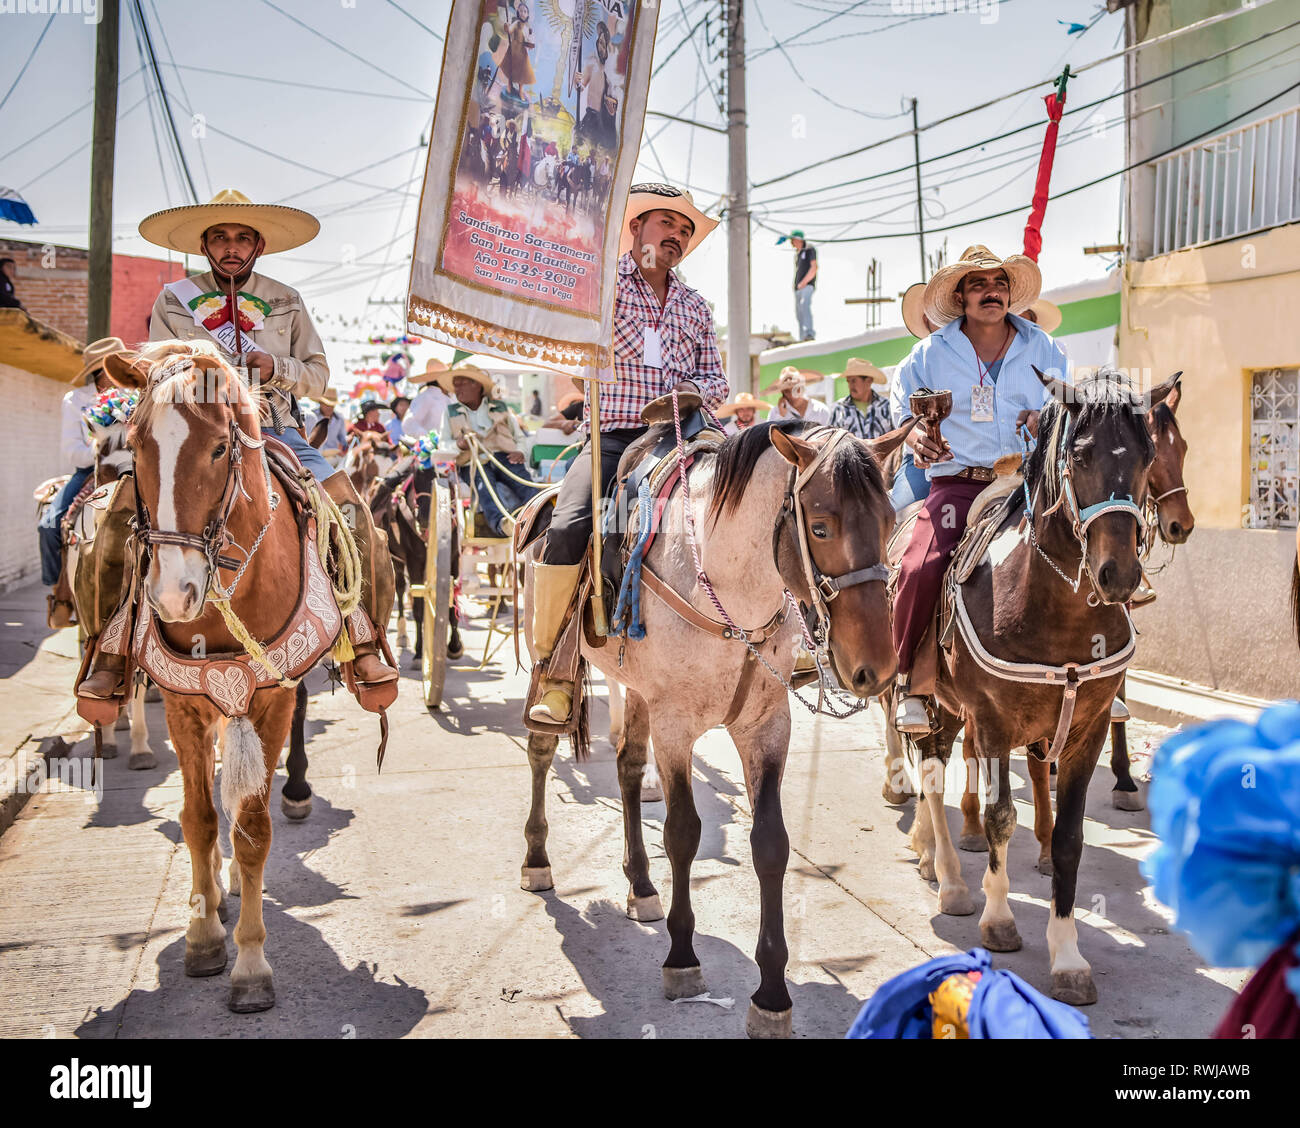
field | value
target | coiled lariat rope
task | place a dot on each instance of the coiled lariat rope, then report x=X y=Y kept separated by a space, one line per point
x=341 y=551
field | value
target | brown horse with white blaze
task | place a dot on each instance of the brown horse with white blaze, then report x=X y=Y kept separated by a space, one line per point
x=202 y=473
x=1041 y=642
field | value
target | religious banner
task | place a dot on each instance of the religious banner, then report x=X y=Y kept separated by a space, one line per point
x=535 y=139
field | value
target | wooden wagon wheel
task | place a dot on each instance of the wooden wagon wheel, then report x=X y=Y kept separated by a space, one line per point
x=437 y=597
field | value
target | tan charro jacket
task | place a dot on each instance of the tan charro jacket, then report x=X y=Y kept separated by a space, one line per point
x=287 y=334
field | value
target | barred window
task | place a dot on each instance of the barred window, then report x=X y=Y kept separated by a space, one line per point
x=1274 y=449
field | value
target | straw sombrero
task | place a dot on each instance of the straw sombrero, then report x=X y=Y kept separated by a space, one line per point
x=652 y=197
x=743 y=399
x=1047 y=315
x=95 y=354
x=856 y=366
x=914 y=311
x=432 y=370
x=790 y=375
x=941 y=302
x=181 y=229
x=446 y=380
x=330 y=396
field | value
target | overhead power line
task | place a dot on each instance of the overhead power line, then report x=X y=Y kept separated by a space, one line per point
x=1009 y=133
x=437 y=35
x=152 y=60
x=35 y=47
x=1069 y=191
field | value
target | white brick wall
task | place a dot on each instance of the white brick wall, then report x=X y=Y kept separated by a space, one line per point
x=29 y=453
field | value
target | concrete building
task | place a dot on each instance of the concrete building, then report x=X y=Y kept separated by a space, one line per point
x=1209 y=287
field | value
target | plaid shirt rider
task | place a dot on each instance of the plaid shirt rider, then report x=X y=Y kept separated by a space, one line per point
x=689 y=349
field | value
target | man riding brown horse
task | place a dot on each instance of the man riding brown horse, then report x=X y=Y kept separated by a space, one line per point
x=263 y=327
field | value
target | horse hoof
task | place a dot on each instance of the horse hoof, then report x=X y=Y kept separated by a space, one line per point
x=202 y=962
x=108 y=752
x=142 y=761
x=956 y=902
x=894 y=798
x=651 y=794
x=644 y=909
x=760 y=1023
x=152 y=695
x=249 y=998
x=536 y=879
x=295 y=809
x=926 y=869
x=122 y=723
x=1000 y=936
x=1044 y=866
x=683 y=982
x=1127 y=800
x=973 y=843
x=1075 y=988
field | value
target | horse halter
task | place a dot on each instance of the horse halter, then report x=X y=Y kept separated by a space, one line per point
x=1080 y=519
x=214 y=536
x=822 y=588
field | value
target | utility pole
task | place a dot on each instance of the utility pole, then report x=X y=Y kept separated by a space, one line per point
x=103 y=144
x=920 y=201
x=738 y=367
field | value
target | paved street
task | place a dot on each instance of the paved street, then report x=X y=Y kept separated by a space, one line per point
x=395 y=909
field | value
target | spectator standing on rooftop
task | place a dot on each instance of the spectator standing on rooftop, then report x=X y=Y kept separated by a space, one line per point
x=805 y=282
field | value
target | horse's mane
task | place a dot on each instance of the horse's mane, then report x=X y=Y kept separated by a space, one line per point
x=854 y=470
x=1105 y=394
x=191 y=386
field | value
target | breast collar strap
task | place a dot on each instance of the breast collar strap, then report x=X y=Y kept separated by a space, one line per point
x=822 y=589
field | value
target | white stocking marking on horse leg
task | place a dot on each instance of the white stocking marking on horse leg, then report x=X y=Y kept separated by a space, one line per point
x=997 y=885
x=954 y=896
x=1063 y=944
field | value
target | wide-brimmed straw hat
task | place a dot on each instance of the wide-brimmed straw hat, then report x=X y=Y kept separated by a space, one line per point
x=432 y=371
x=181 y=229
x=914 y=311
x=446 y=380
x=653 y=197
x=790 y=376
x=942 y=304
x=743 y=399
x=94 y=355
x=1047 y=315
x=856 y=366
x=330 y=396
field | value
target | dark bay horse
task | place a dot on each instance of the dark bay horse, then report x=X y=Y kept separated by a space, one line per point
x=1041 y=641
x=778 y=509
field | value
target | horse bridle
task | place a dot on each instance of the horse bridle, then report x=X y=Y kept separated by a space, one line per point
x=822 y=588
x=214 y=536
x=1080 y=519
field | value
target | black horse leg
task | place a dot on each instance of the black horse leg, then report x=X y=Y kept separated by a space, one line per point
x=417 y=613
x=295 y=798
x=1125 y=796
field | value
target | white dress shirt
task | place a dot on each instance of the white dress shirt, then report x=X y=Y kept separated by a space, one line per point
x=427 y=412
x=75 y=449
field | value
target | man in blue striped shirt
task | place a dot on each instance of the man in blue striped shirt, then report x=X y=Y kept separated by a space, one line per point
x=985 y=355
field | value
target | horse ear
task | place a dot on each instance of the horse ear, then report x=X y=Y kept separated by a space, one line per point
x=1175 y=393
x=1161 y=393
x=127 y=369
x=1060 y=391
x=792 y=448
x=889 y=442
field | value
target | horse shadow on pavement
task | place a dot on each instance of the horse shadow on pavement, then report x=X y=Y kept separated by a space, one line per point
x=1138 y=963
x=317 y=994
x=618 y=961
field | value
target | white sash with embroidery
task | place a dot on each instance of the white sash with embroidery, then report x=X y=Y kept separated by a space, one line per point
x=203 y=305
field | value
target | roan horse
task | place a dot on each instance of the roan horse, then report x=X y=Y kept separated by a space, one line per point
x=1037 y=656
x=202 y=475
x=777 y=509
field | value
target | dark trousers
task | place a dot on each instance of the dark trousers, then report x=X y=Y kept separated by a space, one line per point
x=570 y=529
x=51 y=536
x=939 y=526
x=513 y=494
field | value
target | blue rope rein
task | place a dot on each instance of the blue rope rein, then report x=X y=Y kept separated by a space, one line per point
x=629 y=593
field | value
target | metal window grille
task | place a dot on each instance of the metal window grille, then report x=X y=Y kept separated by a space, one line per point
x=1274 y=449
x=1227 y=186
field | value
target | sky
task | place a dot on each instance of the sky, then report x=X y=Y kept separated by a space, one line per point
x=266 y=103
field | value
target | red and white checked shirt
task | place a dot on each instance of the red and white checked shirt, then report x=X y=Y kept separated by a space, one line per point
x=689 y=348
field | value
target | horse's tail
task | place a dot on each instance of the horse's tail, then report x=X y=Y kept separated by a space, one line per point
x=243 y=768
x=1295 y=597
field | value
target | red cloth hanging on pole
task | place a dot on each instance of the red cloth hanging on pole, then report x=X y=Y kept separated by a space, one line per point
x=1055 y=107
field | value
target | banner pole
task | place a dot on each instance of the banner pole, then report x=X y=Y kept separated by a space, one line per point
x=599 y=623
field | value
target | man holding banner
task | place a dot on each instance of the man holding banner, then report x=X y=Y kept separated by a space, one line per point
x=664 y=339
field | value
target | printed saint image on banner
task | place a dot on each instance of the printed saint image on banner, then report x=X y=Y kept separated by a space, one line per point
x=531 y=191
